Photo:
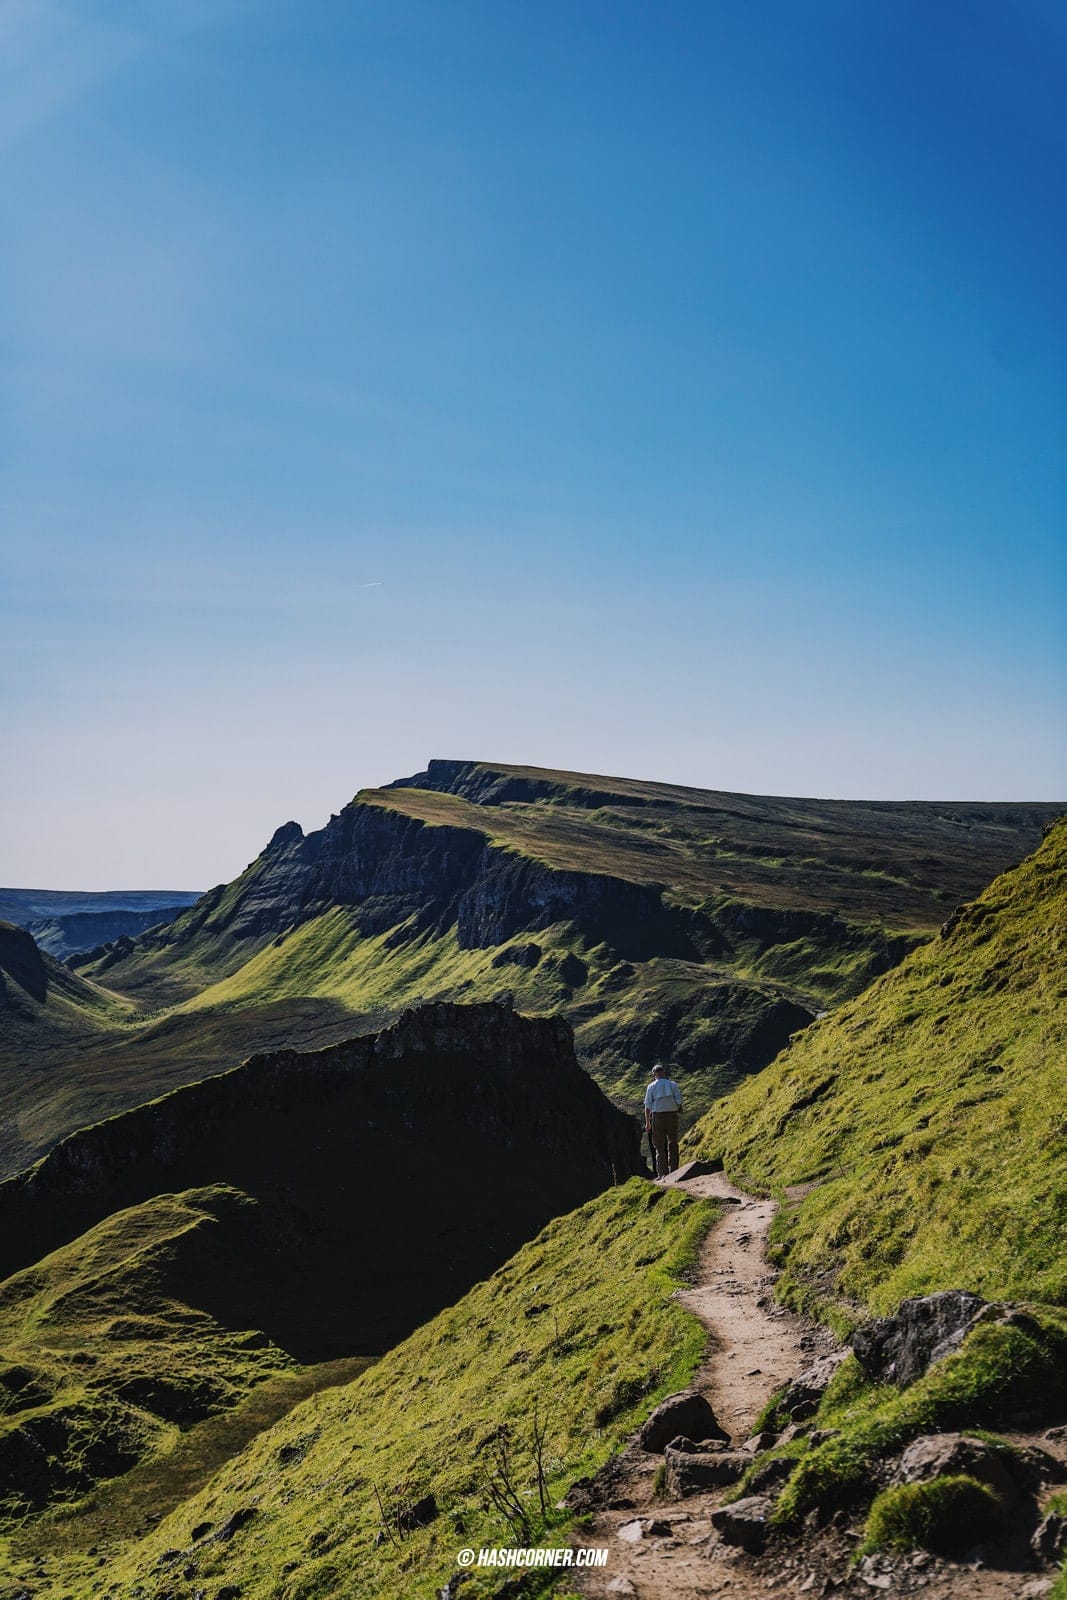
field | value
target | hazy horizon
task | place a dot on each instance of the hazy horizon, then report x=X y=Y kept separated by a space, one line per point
x=324 y=817
x=674 y=392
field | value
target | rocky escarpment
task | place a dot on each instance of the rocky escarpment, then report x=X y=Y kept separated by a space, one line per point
x=451 y=1137
x=87 y=930
x=22 y=968
x=659 y=920
x=514 y=895
x=402 y=875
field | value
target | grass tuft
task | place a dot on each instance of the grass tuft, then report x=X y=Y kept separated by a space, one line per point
x=948 y=1516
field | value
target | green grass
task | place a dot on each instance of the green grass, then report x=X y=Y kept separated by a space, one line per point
x=949 y=1515
x=926 y=1119
x=101 y=1368
x=998 y=1369
x=579 y=1333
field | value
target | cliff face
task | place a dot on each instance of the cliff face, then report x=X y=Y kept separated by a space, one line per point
x=393 y=867
x=703 y=925
x=395 y=870
x=388 y=1173
x=22 y=968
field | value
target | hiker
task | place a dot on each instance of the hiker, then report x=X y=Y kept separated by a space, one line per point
x=663 y=1101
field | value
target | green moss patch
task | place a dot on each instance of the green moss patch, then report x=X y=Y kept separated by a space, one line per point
x=998 y=1369
x=948 y=1516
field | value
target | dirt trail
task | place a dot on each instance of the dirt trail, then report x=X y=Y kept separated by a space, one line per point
x=662 y=1549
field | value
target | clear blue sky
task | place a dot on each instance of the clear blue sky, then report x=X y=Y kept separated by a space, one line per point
x=660 y=388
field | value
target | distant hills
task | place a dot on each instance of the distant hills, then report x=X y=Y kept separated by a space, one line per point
x=68 y=923
x=916 y=1139
x=700 y=926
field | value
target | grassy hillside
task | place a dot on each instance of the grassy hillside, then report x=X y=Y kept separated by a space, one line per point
x=103 y=1362
x=576 y=1336
x=449 y=1105
x=51 y=1020
x=699 y=926
x=926 y=1122
x=918 y=1141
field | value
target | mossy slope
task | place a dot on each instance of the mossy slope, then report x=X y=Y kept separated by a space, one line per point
x=102 y=1362
x=578 y=1332
x=928 y=1115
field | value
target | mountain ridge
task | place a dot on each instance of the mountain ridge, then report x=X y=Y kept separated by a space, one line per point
x=702 y=926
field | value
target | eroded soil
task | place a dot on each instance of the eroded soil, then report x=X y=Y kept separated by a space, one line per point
x=667 y=1549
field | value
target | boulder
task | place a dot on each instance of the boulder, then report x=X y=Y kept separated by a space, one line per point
x=1049 y=1542
x=941 y=1455
x=695 y=1169
x=800 y=1399
x=767 y=1474
x=692 y=1474
x=745 y=1523
x=418 y=1515
x=687 y=1413
x=759 y=1442
x=899 y=1349
x=692 y=1447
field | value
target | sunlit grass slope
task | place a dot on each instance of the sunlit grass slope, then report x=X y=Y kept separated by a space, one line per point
x=929 y=1115
x=102 y=1364
x=578 y=1334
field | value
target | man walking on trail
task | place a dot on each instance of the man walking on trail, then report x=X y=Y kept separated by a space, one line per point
x=663 y=1101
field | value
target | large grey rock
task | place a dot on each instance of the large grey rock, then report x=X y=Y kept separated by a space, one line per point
x=939 y=1455
x=693 y=1447
x=898 y=1349
x=692 y=1473
x=746 y=1522
x=800 y=1399
x=768 y=1474
x=688 y=1413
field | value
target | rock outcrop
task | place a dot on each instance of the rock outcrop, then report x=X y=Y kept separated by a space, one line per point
x=898 y=1349
x=688 y=1413
x=21 y=965
x=452 y=1136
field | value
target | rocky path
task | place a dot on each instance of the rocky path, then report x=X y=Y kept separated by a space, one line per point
x=667 y=1549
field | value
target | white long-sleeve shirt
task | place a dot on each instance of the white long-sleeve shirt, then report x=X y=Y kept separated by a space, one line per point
x=663 y=1094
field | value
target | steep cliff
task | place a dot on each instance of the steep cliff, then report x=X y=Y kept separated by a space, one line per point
x=462 y=1128
x=657 y=919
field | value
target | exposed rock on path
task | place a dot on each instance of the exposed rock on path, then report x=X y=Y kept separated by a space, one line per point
x=675 y=1545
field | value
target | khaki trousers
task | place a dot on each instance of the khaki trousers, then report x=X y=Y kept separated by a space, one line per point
x=665 y=1140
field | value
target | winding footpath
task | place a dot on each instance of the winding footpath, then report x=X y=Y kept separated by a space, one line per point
x=663 y=1549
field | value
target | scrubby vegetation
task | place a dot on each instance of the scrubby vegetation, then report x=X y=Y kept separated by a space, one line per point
x=554 y=1357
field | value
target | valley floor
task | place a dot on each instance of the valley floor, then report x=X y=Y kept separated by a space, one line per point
x=667 y=1549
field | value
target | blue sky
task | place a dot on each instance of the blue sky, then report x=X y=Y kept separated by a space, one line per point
x=666 y=389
